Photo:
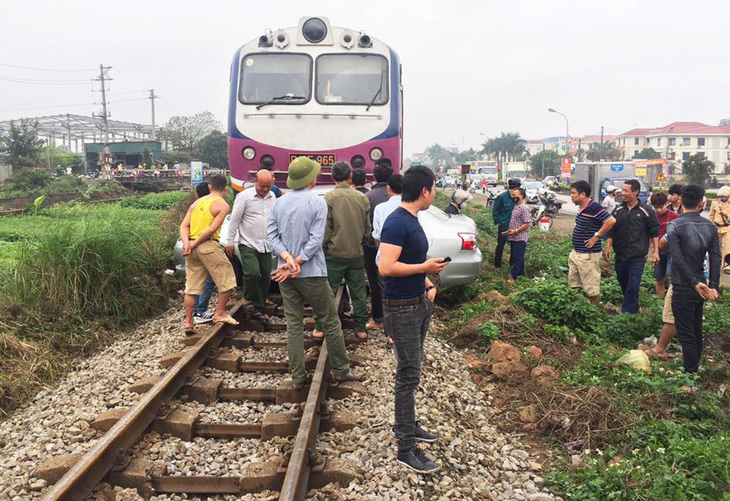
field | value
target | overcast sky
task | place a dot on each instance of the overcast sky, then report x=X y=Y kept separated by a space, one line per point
x=469 y=67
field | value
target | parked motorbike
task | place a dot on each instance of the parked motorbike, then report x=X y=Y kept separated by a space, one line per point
x=552 y=205
x=491 y=198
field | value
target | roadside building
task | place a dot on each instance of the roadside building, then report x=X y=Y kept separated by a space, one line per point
x=679 y=140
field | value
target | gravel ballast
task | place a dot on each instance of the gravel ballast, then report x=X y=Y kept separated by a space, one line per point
x=477 y=461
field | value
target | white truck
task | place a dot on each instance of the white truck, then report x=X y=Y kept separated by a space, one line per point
x=487 y=170
x=520 y=170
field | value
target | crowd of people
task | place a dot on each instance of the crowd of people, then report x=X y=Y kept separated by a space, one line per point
x=687 y=251
x=318 y=242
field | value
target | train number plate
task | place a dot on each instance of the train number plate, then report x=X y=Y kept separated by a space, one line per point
x=323 y=159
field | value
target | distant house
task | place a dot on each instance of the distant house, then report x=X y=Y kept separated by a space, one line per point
x=679 y=140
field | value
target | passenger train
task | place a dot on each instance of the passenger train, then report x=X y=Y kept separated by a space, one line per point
x=325 y=92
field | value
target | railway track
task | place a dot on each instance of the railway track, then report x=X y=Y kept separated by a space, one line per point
x=251 y=349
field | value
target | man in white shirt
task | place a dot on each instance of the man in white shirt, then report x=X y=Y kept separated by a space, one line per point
x=248 y=222
x=382 y=211
x=610 y=201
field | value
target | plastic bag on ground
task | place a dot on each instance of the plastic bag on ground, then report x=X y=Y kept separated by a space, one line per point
x=636 y=359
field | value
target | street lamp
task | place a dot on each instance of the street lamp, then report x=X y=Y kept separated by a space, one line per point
x=567 y=134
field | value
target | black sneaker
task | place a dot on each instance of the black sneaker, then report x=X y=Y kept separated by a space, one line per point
x=420 y=434
x=417 y=461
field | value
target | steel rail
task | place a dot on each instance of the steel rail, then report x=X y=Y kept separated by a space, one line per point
x=81 y=479
x=296 y=480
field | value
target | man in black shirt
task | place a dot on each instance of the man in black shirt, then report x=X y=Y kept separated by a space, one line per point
x=408 y=304
x=690 y=238
x=377 y=195
x=636 y=224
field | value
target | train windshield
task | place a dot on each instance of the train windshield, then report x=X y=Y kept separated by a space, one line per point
x=352 y=79
x=267 y=77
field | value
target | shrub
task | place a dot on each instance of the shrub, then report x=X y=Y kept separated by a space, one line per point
x=555 y=302
x=626 y=330
x=488 y=332
x=155 y=201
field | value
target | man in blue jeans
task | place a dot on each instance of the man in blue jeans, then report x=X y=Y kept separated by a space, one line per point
x=636 y=224
x=408 y=297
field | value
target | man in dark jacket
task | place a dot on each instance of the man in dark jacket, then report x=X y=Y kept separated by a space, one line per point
x=636 y=224
x=377 y=195
x=502 y=213
x=690 y=238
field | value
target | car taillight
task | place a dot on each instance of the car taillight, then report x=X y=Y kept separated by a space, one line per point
x=468 y=241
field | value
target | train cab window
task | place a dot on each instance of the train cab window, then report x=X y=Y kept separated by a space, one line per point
x=352 y=79
x=281 y=78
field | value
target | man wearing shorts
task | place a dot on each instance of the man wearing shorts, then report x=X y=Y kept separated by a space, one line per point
x=200 y=233
x=592 y=222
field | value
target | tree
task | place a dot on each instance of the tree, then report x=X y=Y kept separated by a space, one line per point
x=439 y=156
x=54 y=157
x=603 y=151
x=186 y=132
x=213 y=150
x=506 y=148
x=20 y=146
x=697 y=169
x=552 y=161
x=647 y=154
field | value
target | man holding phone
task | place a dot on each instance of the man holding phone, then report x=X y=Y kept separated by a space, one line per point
x=408 y=298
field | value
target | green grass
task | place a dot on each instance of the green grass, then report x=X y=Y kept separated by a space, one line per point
x=69 y=275
x=662 y=442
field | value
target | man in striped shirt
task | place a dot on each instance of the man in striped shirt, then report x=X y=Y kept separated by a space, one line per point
x=591 y=224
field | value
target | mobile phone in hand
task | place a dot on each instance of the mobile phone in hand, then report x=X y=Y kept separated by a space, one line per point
x=447 y=259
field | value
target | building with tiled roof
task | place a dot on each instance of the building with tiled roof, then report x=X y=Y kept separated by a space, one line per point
x=680 y=140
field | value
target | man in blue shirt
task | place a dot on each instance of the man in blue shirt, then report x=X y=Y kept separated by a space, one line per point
x=408 y=298
x=295 y=235
x=591 y=224
x=502 y=213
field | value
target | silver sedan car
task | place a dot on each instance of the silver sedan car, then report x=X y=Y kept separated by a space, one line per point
x=453 y=236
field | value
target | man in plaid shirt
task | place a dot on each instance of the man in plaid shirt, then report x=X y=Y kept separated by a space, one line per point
x=518 y=234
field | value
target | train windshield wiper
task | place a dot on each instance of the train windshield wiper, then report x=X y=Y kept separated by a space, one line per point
x=285 y=97
x=372 y=101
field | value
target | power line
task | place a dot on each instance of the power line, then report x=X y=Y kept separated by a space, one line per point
x=44 y=82
x=42 y=69
x=44 y=106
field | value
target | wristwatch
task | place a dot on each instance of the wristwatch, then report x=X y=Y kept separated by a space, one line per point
x=597 y=235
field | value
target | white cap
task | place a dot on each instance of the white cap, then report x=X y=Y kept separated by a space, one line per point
x=610 y=188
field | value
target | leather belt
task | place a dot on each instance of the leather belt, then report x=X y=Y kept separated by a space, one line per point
x=403 y=302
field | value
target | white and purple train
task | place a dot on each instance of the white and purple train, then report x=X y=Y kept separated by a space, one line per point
x=316 y=90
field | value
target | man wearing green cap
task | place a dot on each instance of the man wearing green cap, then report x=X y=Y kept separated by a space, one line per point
x=295 y=234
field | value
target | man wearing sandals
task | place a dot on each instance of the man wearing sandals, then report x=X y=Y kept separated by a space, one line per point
x=346 y=232
x=249 y=222
x=200 y=233
x=408 y=305
x=295 y=234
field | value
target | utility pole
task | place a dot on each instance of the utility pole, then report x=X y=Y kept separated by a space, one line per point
x=543 y=160
x=104 y=77
x=152 y=100
x=601 y=134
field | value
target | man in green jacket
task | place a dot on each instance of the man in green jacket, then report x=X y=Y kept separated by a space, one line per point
x=348 y=229
x=501 y=213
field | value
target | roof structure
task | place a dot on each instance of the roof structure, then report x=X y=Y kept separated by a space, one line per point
x=596 y=138
x=85 y=128
x=636 y=132
x=679 y=128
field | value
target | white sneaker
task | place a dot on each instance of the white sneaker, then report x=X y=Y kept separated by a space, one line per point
x=204 y=318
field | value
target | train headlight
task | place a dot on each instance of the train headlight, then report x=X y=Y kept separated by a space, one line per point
x=357 y=162
x=267 y=162
x=314 y=30
x=364 y=41
x=376 y=154
x=249 y=153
